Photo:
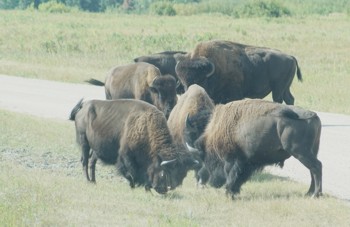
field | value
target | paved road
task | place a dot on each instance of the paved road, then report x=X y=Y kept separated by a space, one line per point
x=55 y=100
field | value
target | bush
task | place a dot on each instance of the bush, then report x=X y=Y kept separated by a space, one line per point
x=263 y=9
x=54 y=7
x=162 y=8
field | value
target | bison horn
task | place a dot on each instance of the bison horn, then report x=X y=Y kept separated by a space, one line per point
x=163 y=163
x=191 y=149
x=212 y=66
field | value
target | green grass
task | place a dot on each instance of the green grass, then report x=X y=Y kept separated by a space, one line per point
x=42 y=184
x=74 y=47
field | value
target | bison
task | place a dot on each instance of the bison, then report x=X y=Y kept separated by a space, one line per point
x=231 y=71
x=244 y=136
x=193 y=107
x=133 y=135
x=166 y=62
x=141 y=81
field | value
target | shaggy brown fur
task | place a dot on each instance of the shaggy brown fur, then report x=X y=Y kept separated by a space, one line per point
x=133 y=134
x=246 y=135
x=194 y=104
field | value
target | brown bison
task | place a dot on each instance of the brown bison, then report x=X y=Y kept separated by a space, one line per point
x=244 y=136
x=141 y=81
x=231 y=71
x=193 y=107
x=165 y=62
x=133 y=135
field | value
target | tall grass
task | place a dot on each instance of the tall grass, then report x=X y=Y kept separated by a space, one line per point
x=42 y=184
x=74 y=47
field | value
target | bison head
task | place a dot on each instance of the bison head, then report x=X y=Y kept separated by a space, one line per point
x=171 y=172
x=194 y=71
x=165 y=62
x=163 y=89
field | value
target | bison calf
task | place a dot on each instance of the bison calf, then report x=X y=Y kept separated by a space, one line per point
x=134 y=135
x=244 y=136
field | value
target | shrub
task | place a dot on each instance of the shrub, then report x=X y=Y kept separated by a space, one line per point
x=262 y=8
x=54 y=7
x=162 y=8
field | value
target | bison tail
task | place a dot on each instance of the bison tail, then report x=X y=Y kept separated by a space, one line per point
x=95 y=82
x=300 y=77
x=76 y=109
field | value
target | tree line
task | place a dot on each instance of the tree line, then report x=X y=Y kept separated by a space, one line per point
x=89 y=5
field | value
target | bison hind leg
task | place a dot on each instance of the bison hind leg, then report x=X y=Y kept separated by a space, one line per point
x=92 y=165
x=288 y=97
x=85 y=155
x=315 y=167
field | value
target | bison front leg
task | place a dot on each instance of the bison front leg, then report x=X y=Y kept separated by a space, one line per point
x=237 y=173
x=127 y=169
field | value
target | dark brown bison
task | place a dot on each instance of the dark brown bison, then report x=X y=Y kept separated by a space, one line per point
x=194 y=108
x=165 y=62
x=134 y=135
x=231 y=71
x=244 y=136
x=141 y=81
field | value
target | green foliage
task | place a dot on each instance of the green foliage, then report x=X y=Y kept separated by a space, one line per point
x=261 y=8
x=162 y=9
x=8 y=4
x=236 y=8
x=54 y=7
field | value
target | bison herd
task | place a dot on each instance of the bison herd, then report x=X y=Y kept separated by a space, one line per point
x=174 y=111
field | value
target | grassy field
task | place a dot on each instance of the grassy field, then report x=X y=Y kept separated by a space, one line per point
x=42 y=184
x=41 y=179
x=75 y=47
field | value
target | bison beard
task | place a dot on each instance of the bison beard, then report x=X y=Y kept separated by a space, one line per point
x=244 y=136
x=134 y=135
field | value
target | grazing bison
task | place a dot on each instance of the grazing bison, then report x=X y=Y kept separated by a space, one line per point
x=244 y=136
x=165 y=61
x=134 y=135
x=231 y=71
x=193 y=107
x=141 y=81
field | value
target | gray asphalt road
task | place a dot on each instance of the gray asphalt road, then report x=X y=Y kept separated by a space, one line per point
x=55 y=100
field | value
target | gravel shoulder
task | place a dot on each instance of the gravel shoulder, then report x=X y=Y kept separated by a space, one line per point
x=50 y=99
